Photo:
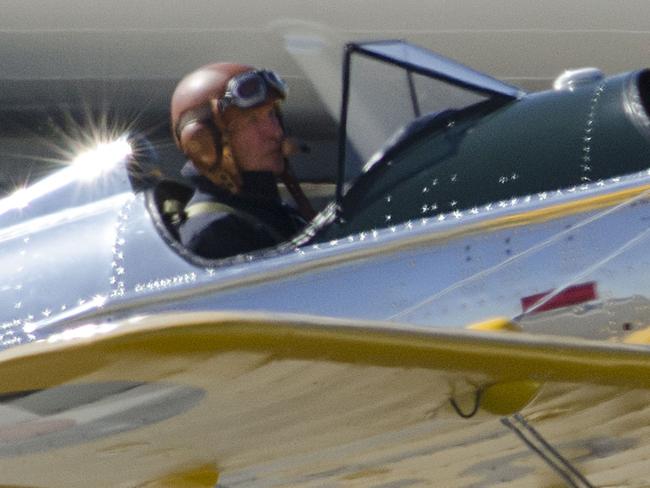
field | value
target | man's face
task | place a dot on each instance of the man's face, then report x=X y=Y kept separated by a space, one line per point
x=255 y=137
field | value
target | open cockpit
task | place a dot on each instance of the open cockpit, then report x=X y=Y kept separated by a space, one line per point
x=422 y=136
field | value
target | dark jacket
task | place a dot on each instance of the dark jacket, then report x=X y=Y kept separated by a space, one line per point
x=257 y=217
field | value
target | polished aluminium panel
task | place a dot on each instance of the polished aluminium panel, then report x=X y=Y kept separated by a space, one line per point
x=448 y=270
x=58 y=238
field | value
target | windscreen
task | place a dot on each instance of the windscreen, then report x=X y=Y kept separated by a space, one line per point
x=385 y=98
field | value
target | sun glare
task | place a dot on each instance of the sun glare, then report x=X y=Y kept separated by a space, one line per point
x=94 y=162
x=87 y=166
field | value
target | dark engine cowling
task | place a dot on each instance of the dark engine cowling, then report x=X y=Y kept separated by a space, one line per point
x=584 y=133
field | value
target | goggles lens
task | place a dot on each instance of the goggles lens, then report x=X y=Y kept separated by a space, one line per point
x=251 y=88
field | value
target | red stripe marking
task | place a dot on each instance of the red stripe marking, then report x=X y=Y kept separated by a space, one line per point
x=572 y=295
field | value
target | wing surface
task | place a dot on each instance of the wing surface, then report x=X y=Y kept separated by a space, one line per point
x=174 y=400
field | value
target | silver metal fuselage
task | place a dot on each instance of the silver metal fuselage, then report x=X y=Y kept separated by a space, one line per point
x=97 y=259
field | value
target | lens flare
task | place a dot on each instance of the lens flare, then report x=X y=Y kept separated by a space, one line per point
x=88 y=166
x=91 y=164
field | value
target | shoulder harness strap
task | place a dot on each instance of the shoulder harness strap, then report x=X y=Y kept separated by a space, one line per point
x=202 y=208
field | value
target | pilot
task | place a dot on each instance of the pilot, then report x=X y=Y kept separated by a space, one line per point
x=226 y=119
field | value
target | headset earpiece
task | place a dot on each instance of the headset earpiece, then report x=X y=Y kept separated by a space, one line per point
x=202 y=142
x=198 y=142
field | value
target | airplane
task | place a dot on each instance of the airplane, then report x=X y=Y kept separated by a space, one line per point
x=481 y=271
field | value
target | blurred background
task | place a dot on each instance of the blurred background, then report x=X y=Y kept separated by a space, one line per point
x=73 y=71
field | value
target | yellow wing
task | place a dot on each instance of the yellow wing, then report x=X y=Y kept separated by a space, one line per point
x=175 y=400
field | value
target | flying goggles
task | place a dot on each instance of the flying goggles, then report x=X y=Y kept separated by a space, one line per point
x=249 y=89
